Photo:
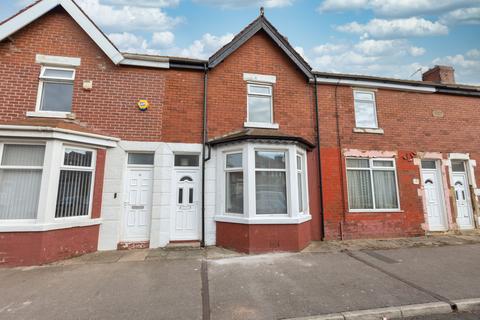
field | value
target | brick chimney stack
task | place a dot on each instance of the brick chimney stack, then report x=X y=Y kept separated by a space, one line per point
x=440 y=74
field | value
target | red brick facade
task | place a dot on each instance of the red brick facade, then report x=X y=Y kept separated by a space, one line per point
x=412 y=123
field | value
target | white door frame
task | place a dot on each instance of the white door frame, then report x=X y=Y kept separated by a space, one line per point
x=440 y=189
x=469 y=177
x=124 y=232
x=185 y=171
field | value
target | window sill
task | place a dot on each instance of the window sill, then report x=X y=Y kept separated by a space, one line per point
x=20 y=226
x=368 y=130
x=45 y=114
x=261 y=125
x=375 y=211
x=263 y=220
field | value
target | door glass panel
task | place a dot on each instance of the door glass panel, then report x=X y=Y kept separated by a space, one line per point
x=428 y=164
x=186 y=160
x=140 y=158
x=190 y=195
x=458 y=166
x=180 y=195
x=186 y=178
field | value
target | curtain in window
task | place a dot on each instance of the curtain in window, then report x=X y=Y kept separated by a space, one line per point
x=19 y=193
x=359 y=189
x=271 y=192
x=385 y=189
x=20 y=188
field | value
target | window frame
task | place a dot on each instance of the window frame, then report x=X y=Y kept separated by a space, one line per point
x=287 y=180
x=374 y=101
x=303 y=174
x=372 y=168
x=42 y=183
x=248 y=148
x=64 y=167
x=187 y=154
x=140 y=165
x=249 y=94
x=236 y=169
x=42 y=79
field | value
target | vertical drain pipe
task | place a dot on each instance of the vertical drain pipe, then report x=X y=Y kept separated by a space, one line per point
x=204 y=144
x=319 y=160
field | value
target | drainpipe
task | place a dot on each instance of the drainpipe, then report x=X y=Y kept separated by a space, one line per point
x=319 y=161
x=204 y=146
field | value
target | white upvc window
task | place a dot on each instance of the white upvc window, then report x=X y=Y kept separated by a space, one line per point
x=302 y=182
x=21 y=167
x=262 y=183
x=259 y=103
x=75 y=186
x=365 y=109
x=55 y=90
x=234 y=183
x=372 y=184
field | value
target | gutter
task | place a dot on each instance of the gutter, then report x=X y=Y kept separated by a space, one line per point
x=375 y=84
x=319 y=161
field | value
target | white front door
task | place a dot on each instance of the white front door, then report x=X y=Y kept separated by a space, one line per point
x=433 y=188
x=462 y=199
x=186 y=220
x=138 y=205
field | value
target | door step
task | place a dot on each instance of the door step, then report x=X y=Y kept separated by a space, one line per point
x=183 y=244
x=133 y=245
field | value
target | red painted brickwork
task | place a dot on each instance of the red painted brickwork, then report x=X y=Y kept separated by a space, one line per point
x=409 y=125
x=258 y=238
x=35 y=248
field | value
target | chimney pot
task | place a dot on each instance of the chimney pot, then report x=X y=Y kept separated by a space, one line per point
x=440 y=74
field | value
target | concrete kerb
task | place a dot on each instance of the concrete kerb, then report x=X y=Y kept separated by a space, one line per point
x=390 y=313
x=468 y=304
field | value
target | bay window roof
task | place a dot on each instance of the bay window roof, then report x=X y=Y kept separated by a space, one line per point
x=265 y=135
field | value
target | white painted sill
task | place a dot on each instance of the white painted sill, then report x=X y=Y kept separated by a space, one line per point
x=263 y=220
x=261 y=125
x=44 y=114
x=369 y=130
x=19 y=226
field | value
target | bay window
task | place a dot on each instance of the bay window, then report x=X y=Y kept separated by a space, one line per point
x=21 y=168
x=262 y=183
x=372 y=184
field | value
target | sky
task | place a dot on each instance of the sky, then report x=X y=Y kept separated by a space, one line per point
x=391 y=38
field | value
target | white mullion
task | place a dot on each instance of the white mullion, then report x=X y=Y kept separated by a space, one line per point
x=370 y=164
x=250 y=186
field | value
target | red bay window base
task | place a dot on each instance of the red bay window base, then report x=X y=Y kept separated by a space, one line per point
x=37 y=248
x=260 y=238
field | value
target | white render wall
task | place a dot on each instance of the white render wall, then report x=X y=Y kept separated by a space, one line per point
x=112 y=228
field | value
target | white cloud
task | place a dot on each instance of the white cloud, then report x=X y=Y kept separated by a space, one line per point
x=163 y=43
x=398 y=47
x=144 y=3
x=467 y=66
x=247 y=3
x=328 y=48
x=397 y=28
x=163 y=39
x=300 y=51
x=128 y=17
x=396 y=8
x=204 y=47
x=128 y=41
x=464 y=15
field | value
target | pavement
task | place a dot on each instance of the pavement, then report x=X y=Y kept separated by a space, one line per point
x=337 y=278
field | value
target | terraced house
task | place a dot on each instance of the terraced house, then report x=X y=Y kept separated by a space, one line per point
x=250 y=149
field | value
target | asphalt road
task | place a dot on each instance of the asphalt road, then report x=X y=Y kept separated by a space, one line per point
x=273 y=286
